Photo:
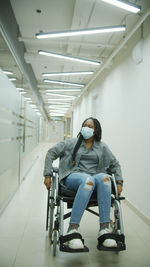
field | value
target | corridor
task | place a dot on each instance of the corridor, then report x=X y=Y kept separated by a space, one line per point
x=24 y=241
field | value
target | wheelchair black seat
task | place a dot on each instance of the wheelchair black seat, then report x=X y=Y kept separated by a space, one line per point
x=69 y=195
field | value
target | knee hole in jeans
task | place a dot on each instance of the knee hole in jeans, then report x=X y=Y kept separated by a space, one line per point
x=88 y=184
x=106 y=180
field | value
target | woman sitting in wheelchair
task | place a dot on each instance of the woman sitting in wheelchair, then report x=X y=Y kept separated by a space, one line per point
x=83 y=167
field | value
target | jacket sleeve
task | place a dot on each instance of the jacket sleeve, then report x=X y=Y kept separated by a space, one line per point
x=114 y=165
x=53 y=153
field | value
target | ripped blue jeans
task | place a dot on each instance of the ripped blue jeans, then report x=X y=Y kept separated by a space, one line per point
x=84 y=184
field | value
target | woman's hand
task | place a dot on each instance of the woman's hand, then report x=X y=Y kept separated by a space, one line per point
x=119 y=188
x=47 y=182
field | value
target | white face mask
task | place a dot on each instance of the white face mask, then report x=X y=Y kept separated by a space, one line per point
x=87 y=132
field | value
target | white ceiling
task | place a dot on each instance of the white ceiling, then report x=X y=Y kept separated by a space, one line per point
x=34 y=16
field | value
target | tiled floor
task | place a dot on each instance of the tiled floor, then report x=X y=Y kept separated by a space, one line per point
x=24 y=241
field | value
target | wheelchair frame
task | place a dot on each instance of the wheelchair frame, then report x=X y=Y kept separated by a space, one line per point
x=55 y=208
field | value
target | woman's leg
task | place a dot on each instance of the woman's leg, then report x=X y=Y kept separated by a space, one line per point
x=84 y=185
x=103 y=186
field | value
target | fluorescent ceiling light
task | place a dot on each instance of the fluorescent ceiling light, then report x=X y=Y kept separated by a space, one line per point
x=55 y=107
x=97 y=30
x=125 y=5
x=27 y=98
x=22 y=93
x=60 y=99
x=68 y=73
x=82 y=60
x=70 y=96
x=57 y=114
x=12 y=79
x=62 y=90
x=66 y=83
x=59 y=107
x=58 y=111
x=58 y=103
x=8 y=72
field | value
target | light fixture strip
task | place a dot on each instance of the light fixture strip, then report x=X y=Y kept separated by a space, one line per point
x=57 y=114
x=22 y=93
x=82 y=60
x=55 y=107
x=81 y=32
x=12 y=79
x=69 y=96
x=58 y=103
x=125 y=5
x=27 y=98
x=58 y=111
x=68 y=100
x=67 y=73
x=62 y=90
x=66 y=83
x=7 y=72
x=60 y=99
x=58 y=107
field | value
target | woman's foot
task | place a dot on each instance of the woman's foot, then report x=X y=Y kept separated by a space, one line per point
x=108 y=242
x=74 y=243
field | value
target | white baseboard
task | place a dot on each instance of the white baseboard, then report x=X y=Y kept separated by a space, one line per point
x=135 y=210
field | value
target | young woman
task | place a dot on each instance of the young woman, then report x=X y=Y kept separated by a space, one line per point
x=83 y=167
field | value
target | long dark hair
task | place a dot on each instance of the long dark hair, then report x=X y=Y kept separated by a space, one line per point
x=97 y=136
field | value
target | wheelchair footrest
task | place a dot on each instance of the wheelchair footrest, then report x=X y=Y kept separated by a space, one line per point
x=66 y=238
x=120 y=240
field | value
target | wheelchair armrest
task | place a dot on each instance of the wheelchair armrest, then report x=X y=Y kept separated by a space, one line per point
x=122 y=198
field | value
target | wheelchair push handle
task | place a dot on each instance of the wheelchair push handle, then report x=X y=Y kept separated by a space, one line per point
x=55 y=169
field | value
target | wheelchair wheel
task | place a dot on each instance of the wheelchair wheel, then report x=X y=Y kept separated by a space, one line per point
x=118 y=224
x=55 y=241
x=47 y=213
x=51 y=222
x=51 y=209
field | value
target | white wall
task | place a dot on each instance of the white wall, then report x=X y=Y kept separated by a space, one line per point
x=121 y=101
x=21 y=130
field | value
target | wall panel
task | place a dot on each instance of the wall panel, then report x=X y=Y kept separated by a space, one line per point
x=10 y=104
x=21 y=130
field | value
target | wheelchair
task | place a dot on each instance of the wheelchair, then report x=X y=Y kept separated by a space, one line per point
x=58 y=194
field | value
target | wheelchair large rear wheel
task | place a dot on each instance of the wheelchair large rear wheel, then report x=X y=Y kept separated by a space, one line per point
x=51 y=222
x=55 y=241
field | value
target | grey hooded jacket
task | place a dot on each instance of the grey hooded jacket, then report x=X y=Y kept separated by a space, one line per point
x=64 y=150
